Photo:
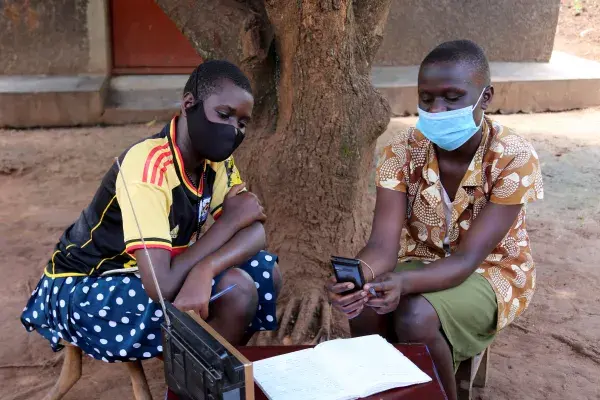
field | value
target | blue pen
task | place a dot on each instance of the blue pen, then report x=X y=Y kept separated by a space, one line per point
x=222 y=292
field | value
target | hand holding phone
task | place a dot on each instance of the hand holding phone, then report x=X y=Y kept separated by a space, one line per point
x=348 y=270
x=345 y=289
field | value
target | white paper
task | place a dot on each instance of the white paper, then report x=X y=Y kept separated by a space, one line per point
x=296 y=376
x=371 y=364
x=341 y=369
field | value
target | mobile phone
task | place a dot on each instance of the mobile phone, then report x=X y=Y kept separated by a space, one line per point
x=348 y=270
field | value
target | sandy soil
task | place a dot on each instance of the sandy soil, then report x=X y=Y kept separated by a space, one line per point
x=47 y=176
x=579 y=28
x=552 y=352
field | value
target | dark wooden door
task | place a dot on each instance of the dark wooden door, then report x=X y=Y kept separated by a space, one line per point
x=146 y=41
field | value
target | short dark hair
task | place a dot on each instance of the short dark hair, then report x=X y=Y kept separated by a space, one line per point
x=207 y=77
x=465 y=51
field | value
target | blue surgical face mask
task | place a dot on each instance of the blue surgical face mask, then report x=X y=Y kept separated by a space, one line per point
x=449 y=129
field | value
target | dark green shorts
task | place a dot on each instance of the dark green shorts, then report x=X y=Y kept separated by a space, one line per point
x=468 y=313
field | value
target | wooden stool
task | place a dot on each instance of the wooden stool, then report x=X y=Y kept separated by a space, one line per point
x=472 y=373
x=71 y=372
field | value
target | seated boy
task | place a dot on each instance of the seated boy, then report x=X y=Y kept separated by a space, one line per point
x=458 y=183
x=98 y=293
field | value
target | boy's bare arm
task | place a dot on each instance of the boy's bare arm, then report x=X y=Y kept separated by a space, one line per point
x=242 y=215
x=196 y=289
x=381 y=251
x=172 y=272
x=240 y=210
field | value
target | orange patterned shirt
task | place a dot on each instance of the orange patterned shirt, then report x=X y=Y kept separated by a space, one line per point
x=504 y=170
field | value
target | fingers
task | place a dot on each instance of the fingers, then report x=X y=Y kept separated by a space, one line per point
x=345 y=303
x=339 y=288
x=352 y=304
x=379 y=302
x=256 y=216
x=204 y=311
x=350 y=308
x=177 y=305
x=356 y=312
x=385 y=304
x=183 y=305
x=380 y=286
x=249 y=196
x=262 y=217
x=331 y=282
x=235 y=190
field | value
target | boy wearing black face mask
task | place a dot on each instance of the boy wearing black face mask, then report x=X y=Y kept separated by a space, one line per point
x=98 y=292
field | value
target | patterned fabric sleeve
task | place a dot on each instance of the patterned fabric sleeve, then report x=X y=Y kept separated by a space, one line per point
x=393 y=164
x=518 y=178
x=151 y=201
x=227 y=176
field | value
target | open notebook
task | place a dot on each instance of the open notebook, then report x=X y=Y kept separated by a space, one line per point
x=340 y=369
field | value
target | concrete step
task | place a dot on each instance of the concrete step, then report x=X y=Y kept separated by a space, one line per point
x=566 y=82
x=143 y=98
x=39 y=100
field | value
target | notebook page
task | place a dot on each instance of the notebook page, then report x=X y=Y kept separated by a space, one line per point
x=369 y=365
x=297 y=376
x=344 y=366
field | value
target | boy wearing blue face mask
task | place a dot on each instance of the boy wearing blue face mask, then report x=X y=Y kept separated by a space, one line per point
x=462 y=269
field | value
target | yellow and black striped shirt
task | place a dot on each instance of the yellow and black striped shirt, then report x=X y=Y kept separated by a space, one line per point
x=168 y=207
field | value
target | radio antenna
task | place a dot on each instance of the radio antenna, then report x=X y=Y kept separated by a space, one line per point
x=158 y=291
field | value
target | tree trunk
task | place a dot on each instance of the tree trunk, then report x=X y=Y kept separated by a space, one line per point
x=309 y=153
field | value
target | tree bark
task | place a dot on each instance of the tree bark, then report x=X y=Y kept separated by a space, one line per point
x=309 y=153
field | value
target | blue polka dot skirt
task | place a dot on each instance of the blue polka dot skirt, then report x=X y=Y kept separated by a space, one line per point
x=111 y=318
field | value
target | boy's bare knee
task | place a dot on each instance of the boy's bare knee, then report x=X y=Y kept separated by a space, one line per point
x=243 y=299
x=416 y=320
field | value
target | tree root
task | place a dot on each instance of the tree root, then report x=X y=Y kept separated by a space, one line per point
x=579 y=348
x=304 y=319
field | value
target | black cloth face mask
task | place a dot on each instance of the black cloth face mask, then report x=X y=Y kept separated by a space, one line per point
x=210 y=140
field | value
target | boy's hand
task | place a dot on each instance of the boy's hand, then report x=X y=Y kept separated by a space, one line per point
x=350 y=304
x=242 y=208
x=195 y=296
x=235 y=190
x=389 y=289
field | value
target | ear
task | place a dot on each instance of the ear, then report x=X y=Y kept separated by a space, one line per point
x=187 y=101
x=488 y=95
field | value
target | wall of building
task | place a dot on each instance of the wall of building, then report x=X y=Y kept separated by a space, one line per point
x=67 y=37
x=508 y=30
x=69 y=43
x=54 y=37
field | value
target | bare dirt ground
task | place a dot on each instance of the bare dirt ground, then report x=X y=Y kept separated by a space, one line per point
x=578 y=30
x=48 y=176
x=552 y=352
